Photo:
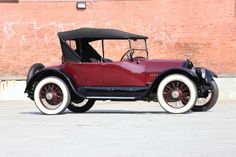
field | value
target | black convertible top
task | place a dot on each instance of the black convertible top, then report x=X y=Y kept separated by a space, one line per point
x=91 y=34
x=83 y=36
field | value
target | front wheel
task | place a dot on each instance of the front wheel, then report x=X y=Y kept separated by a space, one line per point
x=205 y=104
x=176 y=93
x=81 y=105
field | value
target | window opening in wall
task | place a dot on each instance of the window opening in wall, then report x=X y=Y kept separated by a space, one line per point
x=9 y=1
x=235 y=8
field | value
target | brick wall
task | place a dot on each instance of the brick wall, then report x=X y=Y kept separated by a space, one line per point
x=204 y=30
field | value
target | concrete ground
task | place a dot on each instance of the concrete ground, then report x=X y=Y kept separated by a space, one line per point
x=117 y=129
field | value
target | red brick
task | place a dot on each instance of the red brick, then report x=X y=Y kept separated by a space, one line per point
x=205 y=30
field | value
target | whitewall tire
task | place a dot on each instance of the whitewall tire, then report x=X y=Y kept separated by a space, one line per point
x=205 y=104
x=81 y=105
x=52 y=96
x=176 y=93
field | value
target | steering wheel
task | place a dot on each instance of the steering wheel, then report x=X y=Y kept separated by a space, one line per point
x=128 y=55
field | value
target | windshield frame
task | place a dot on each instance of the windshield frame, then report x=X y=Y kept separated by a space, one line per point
x=133 y=49
x=130 y=47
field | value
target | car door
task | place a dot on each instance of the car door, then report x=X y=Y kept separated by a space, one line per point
x=134 y=73
x=85 y=73
x=112 y=73
x=123 y=73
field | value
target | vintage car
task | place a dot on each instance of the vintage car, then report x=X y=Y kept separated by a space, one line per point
x=86 y=76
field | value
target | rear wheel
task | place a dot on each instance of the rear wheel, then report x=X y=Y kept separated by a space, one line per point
x=177 y=93
x=81 y=105
x=51 y=96
x=205 y=104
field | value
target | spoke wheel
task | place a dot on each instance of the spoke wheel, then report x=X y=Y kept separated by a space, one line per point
x=177 y=93
x=51 y=96
x=205 y=104
x=81 y=105
x=203 y=101
x=79 y=102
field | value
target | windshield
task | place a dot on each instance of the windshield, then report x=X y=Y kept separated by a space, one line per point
x=119 y=50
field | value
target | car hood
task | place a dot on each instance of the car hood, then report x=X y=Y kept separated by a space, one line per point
x=158 y=66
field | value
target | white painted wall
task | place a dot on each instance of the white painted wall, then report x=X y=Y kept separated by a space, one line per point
x=14 y=90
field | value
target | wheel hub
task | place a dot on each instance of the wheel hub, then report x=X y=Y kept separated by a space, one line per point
x=49 y=96
x=175 y=94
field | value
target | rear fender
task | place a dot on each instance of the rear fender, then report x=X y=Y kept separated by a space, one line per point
x=50 y=72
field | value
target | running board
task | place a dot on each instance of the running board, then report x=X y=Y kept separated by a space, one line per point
x=113 y=93
x=111 y=98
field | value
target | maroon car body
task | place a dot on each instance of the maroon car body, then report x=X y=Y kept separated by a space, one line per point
x=89 y=75
x=124 y=73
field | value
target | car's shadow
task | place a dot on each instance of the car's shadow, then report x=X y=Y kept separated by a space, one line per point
x=105 y=112
x=122 y=112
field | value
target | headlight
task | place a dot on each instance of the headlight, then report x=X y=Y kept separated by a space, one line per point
x=203 y=73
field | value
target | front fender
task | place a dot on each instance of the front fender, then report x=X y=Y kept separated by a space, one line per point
x=184 y=71
x=50 y=72
x=209 y=75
